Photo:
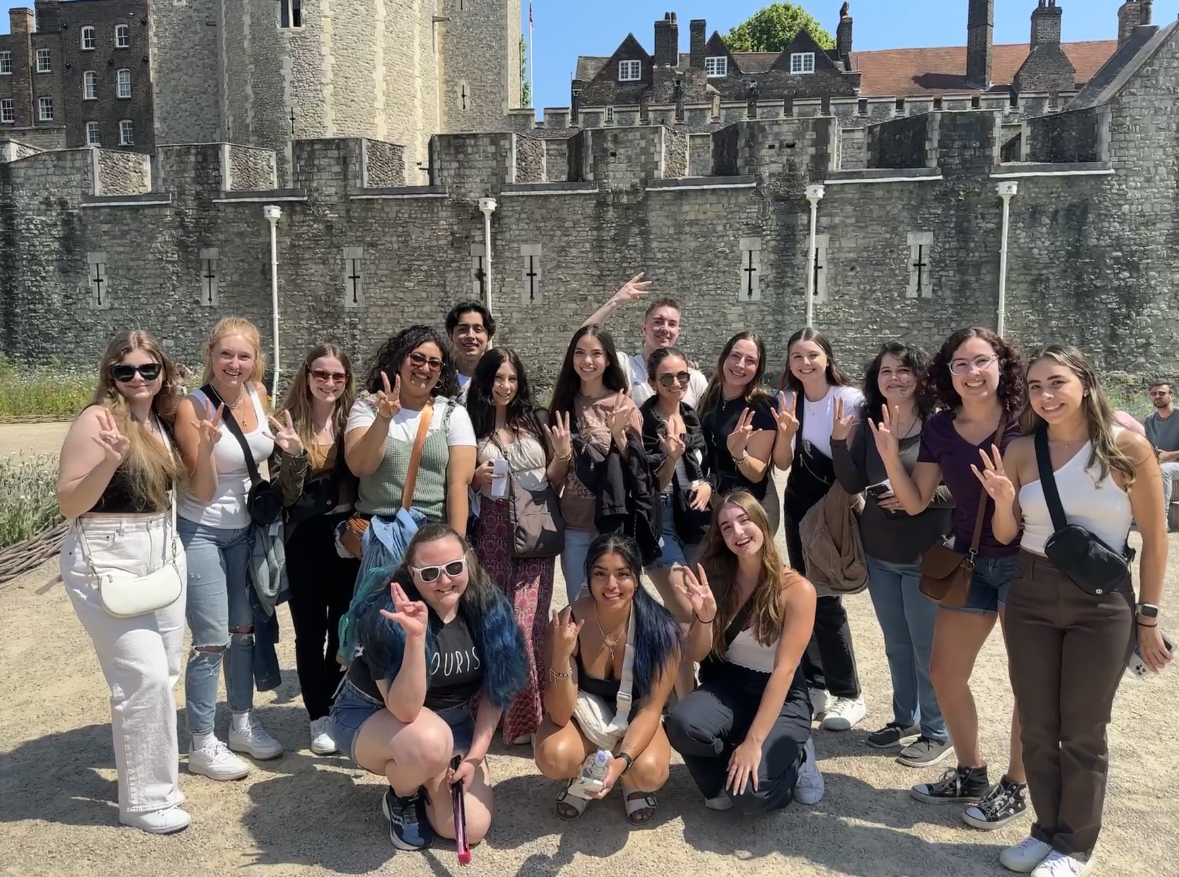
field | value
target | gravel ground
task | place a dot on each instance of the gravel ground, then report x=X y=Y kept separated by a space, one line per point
x=303 y=815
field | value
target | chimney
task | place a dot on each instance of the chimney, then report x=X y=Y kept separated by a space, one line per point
x=1046 y=24
x=980 y=39
x=667 y=42
x=1132 y=14
x=20 y=21
x=843 y=37
x=699 y=41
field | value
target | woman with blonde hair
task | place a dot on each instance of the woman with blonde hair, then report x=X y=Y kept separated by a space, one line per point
x=119 y=467
x=745 y=733
x=1072 y=622
x=317 y=403
x=215 y=527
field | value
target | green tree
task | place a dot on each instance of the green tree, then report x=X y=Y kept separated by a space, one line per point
x=773 y=28
x=525 y=85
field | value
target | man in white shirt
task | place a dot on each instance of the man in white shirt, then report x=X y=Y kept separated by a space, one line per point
x=660 y=328
x=470 y=328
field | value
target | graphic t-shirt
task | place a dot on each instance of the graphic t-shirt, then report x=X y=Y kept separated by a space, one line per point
x=455 y=671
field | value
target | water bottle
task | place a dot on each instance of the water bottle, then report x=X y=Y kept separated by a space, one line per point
x=593 y=774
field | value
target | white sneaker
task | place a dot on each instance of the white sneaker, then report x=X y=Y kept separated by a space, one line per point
x=1060 y=865
x=722 y=802
x=255 y=741
x=1025 y=855
x=844 y=714
x=809 y=787
x=167 y=821
x=321 y=738
x=216 y=762
x=821 y=701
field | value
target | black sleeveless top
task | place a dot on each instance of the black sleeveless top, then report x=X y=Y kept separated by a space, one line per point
x=118 y=498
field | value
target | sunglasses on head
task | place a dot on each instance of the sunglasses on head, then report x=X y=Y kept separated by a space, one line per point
x=422 y=361
x=326 y=376
x=454 y=569
x=126 y=373
x=670 y=380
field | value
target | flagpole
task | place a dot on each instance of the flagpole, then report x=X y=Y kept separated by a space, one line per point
x=531 y=57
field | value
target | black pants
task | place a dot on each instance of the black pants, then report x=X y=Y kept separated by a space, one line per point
x=829 y=661
x=707 y=725
x=321 y=589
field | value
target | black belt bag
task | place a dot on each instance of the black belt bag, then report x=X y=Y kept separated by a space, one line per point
x=1093 y=566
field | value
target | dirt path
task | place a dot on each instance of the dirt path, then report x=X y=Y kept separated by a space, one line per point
x=302 y=815
x=35 y=438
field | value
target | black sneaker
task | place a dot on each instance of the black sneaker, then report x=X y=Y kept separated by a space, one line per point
x=958 y=785
x=1003 y=802
x=924 y=752
x=408 y=827
x=892 y=735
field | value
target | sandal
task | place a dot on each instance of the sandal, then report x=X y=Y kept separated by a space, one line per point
x=575 y=804
x=637 y=803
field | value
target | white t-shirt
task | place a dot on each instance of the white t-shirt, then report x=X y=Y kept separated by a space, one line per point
x=820 y=417
x=635 y=369
x=404 y=427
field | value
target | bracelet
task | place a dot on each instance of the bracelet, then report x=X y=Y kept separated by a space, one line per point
x=702 y=621
x=744 y=459
x=554 y=675
x=564 y=459
x=1140 y=624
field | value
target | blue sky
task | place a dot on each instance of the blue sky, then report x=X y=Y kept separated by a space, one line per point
x=566 y=29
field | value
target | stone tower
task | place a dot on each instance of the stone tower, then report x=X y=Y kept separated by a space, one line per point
x=980 y=39
x=184 y=70
x=480 y=75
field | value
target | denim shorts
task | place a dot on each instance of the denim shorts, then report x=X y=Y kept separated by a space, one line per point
x=989 y=585
x=353 y=708
x=675 y=552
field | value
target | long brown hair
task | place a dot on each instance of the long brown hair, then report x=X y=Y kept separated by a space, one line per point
x=1098 y=413
x=720 y=565
x=299 y=401
x=149 y=469
x=713 y=397
x=227 y=327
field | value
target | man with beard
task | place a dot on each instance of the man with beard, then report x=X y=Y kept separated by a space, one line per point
x=1162 y=429
x=470 y=327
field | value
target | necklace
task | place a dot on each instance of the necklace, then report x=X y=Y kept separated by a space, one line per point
x=610 y=643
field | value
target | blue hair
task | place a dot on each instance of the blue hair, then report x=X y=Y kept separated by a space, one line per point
x=488 y=613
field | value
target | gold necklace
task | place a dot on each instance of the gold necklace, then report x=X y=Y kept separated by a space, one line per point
x=610 y=643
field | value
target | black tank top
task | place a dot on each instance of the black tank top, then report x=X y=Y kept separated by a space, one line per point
x=118 y=498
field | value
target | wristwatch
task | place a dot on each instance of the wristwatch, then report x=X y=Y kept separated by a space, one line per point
x=1148 y=610
x=630 y=762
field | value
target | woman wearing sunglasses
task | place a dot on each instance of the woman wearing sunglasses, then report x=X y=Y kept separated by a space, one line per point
x=317 y=403
x=118 y=468
x=675 y=444
x=438 y=637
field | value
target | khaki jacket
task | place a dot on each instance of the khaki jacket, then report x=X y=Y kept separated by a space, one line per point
x=831 y=546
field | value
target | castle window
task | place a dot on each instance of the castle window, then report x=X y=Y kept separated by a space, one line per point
x=463 y=94
x=7 y=111
x=45 y=109
x=126 y=133
x=43 y=62
x=630 y=71
x=93 y=138
x=89 y=85
x=87 y=39
x=122 y=37
x=715 y=67
x=609 y=115
x=937 y=103
x=5 y=63
x=802 y=62
x=123 y=83
x=290 y=13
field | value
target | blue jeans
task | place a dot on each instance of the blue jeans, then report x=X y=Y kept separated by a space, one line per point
x=218 y=602
x=906 y=618
x=353 y=708
x=577 y=543
x=675 y=552
x=989 y=586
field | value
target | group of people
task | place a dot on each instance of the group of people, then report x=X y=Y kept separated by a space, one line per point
x=414 y=515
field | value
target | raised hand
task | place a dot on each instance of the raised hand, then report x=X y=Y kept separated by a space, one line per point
x=565 y=632
x=842 y=426
x=114 y=444
x=739 y=438
x=209 y=427
x=694 y=587
x=560 y=439
x=389 y=399
x=672 y=445
x=634 y=290
x=617 y=421
x=993 y=477
x=411 y=615
x=785 y=417
x=283 y=434
x=885 y=434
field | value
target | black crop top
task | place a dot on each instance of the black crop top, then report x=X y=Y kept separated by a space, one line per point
x=606 y=689
x=118 y=499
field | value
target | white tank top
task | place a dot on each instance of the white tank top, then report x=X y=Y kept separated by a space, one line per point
x=1101 y=508
x=747 y=652
x=228 y=510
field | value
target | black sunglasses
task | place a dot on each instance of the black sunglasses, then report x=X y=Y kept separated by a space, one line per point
x=126 y=373
x=669 y=380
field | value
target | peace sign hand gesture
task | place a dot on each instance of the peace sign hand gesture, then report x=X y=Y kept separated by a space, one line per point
x=634 y=289
x=565 y=633
x=694 y=588
x=887 y=444
x=284 y=435
x=389 y=399
x=672 y=445
x=411 y=615
x=842 y=426
x=784 y=415
x=114 y=444
x=209 y=427
x=560 y=439
x=993 y=477
x=739 y=438
x=617 y=421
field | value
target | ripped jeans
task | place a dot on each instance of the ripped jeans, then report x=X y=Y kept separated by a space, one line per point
x=220 y=616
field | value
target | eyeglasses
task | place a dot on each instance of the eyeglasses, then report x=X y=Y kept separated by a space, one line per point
x=961 y=367
x=670 y=380
x=422 y=361
x=453 y=570
x=126 y=373
x=329 y=377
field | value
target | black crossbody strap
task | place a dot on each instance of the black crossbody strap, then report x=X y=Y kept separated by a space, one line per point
x=233 y=426
x=738 y=623
x=1048 y=481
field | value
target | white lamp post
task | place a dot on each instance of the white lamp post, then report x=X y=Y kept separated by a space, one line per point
x=1008 y=189
x=814 y=194
x=272 y=214
x=487 y=206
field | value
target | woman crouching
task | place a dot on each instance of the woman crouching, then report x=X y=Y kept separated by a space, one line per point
x=611 y=661
x=439 y=636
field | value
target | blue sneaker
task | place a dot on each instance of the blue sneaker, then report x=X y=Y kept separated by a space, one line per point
x=408 y=827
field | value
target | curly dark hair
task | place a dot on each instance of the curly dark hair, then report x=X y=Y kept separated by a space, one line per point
x=521 y=414
x=1011 y=370
x=913 y=358
x=391 y=356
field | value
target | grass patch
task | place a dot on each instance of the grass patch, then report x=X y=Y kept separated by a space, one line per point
x=43 y=390
x=28 y=496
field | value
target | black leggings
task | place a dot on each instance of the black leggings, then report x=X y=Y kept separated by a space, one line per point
x=321 y=589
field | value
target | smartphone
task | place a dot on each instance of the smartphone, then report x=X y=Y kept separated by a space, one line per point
x=878 y=490
x=499 y=478
x=1137 y=668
